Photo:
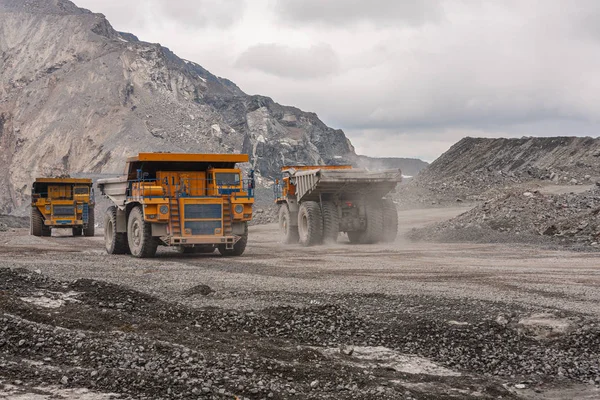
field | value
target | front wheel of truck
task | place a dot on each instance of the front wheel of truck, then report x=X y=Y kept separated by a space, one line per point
x=139 y=235
x=238 y=248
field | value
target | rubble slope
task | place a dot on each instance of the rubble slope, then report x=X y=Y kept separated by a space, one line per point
x=571 y=219
x=474 y=168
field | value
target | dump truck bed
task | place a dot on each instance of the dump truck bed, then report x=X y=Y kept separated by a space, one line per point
x=115 y=189
x=311 y=184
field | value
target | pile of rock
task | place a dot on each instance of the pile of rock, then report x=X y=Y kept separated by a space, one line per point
x=567 y=218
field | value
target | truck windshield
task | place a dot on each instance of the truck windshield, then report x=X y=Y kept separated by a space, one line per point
x=80 y=190
x=227 y=179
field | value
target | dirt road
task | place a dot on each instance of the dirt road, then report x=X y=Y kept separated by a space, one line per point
x=401 y=320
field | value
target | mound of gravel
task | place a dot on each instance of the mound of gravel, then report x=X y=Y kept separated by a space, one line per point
x=570 y=219
x=9 y=221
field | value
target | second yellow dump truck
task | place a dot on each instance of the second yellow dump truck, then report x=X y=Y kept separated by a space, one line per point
x=195 y=202
x=62 y=203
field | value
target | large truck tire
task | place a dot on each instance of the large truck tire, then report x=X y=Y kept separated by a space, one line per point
x=238 y=248
x=139 y=235
x=90 y=230
x=116 y=243
x=310 y=224
x=78 y=231
x=390 y=221
x=373 y=233
x=37 y=227
x=289 y=232
x=331 y=222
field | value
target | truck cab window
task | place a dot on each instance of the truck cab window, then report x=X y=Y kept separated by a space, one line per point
x=227 y=179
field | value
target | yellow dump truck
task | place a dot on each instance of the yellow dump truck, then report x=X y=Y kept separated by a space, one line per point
x=195 y=202
x=62 y=203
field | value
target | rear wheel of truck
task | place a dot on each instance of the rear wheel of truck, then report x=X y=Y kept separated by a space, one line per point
x=289 y=232
x=116 y=243
x=331 y=222
x=238 y=248
x=139 y=235
x=390 y=221
x=310 y=224
x=37 y=227
x=77 y=231
x=373 y=232
x=90 y=228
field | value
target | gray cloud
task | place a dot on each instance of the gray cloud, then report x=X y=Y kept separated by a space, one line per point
x=289 y=62
x=404 y=78
x=152 y=14
x=201 y=13
x=348 y=12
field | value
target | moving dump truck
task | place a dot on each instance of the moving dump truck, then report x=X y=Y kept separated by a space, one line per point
x=316 y=203
x=195 y=202
x=62 y=203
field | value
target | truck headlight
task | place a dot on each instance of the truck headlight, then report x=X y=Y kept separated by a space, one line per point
x=239 y=209
x=164 y=209
x=48 y=208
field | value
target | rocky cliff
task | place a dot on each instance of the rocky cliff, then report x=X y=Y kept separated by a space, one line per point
x=76 y=96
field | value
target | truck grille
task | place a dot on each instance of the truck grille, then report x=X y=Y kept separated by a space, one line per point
x=203 y=211
x=202 y=227
x=63 y=211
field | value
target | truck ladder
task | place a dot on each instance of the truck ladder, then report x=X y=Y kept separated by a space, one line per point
x=175 y=220
x=86 y=213
x=227 y=216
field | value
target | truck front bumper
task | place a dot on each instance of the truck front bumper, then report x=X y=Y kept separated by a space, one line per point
x=186 y=240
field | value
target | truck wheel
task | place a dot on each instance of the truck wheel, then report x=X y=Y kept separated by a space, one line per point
x=116 y=243
x=139 y=235
x=288 y=231
x=77 y=231
x=310 y=224
x=90 y=229
x=238 y=248
x=374 y=231
x=37 y=227
x=331 y=222
x=390 y=221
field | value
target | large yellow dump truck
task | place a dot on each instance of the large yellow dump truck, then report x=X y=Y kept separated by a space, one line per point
x=195 y=202
x=316 y=203
x=62 y=203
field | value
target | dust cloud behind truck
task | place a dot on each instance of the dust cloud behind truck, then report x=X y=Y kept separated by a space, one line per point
x=62 y=203
x=316 y=203
x=194 y=202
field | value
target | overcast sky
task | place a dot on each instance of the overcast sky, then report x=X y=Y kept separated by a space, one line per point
x=402 y=78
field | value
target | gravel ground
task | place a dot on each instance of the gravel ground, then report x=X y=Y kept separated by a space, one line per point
x=405 y=320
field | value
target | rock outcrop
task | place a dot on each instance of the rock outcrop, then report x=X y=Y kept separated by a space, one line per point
x=475 y=169
x=76 y=96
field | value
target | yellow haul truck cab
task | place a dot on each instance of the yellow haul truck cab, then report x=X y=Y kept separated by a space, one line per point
x=62 y=203
x=195 y=202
